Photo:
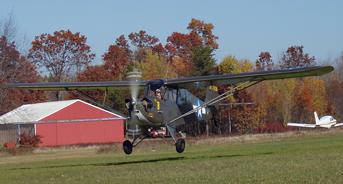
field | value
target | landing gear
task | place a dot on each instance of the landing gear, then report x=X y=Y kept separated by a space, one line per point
x=127 y=147
x=180 y=145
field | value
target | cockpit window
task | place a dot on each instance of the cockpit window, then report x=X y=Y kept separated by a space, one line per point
x=147 y=103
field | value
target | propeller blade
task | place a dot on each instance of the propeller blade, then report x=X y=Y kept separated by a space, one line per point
x=134 y=76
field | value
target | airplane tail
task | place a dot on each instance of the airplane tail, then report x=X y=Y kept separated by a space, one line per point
x=316 y=118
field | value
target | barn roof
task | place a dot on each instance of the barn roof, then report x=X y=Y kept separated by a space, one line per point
x=30 y=113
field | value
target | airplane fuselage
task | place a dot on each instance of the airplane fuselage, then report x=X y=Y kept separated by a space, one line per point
x=326 y=122
x=150 y=112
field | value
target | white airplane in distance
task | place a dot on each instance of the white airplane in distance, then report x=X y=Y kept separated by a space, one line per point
x=324 y=122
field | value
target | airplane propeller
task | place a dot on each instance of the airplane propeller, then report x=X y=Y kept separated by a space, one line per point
x=134 y=76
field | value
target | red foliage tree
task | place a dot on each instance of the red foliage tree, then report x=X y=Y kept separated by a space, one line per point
x=295 y=57
x=144 y=41
x=61 y=54
x=122 y=43
x=264 y=62
x=116 y=61
x=95 y=73
x=187 y=46
x=15 y=68
x=204 y=30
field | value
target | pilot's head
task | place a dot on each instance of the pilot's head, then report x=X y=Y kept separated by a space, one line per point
x=158 y=94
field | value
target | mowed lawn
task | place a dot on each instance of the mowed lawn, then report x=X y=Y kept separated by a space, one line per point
x=314 y=157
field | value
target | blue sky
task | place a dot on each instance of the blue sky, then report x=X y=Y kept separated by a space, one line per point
x=245 y=28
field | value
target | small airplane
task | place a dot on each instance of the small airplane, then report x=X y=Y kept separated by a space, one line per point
x=323 y=122
x=168 y=103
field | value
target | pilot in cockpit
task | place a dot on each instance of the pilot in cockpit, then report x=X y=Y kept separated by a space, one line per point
x=158 y=99
x=158 y=94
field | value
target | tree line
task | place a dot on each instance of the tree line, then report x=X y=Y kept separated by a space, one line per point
x=66 y=56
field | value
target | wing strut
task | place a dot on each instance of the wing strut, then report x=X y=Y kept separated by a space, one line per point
x=171 y=126
x=93 y=101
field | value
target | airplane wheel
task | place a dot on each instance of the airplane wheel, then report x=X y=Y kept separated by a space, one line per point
x=180 y=145
x=127 y=147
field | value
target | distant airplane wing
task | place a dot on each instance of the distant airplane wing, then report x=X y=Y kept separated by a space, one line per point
x=338 y=124
x=199 y=81
x=306 y=125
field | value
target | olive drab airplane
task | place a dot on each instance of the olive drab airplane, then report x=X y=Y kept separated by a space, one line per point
x=323 y=122
x=167 y=102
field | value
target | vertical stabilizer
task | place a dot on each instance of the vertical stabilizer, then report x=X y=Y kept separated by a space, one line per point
x=316 y=118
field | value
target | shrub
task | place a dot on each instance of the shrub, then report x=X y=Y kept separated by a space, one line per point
x=28 y=141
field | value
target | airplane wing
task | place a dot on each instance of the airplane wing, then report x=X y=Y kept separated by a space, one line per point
x=66 y=86
x=183 y=82
x=338 y=124
x=249 y=76
x=306 y=125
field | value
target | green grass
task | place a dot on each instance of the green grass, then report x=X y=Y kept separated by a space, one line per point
x=316 y=157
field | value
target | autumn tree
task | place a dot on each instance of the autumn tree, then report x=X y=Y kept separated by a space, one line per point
x=180 y=66
x=155 y=67
x=118 y=58
x=295 y=57
x=15 y=68
x=244 y=117
x=94 y=73
x=179 y=49
x=116 y=62
x=195 y=48
x=122 y=43
x=232 y=65
x=143 y=41
x=205 y=31
x=314 y=87
x=61 y=54
x=179 y=44
x=264 y=62
x=334 y=87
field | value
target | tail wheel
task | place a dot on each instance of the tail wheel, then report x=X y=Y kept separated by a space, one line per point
x=127 y=147
x=180 y=145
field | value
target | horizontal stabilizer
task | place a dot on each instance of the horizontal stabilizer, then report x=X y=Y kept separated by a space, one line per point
x=302 y=125
x=338 y=125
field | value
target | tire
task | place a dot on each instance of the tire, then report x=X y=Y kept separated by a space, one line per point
x=127 y=147
x=180 y=145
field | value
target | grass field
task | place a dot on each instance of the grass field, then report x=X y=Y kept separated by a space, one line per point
x=312 y=157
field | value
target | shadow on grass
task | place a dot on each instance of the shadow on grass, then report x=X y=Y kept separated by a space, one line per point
x=200 y=157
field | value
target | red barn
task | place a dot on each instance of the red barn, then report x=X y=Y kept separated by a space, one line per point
x=68 y=122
